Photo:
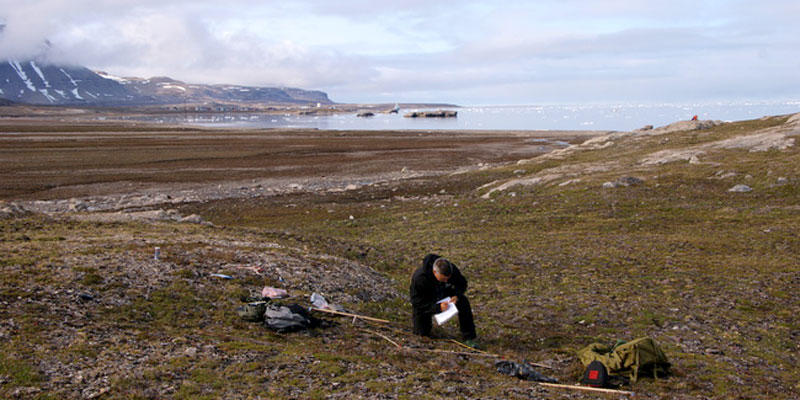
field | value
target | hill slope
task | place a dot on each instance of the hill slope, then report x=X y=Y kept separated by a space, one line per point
x=556 y=259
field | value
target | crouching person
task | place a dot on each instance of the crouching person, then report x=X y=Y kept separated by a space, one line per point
x=437 y=279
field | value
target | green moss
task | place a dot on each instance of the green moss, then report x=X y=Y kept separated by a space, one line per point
x=92 y=279
x=22 y=373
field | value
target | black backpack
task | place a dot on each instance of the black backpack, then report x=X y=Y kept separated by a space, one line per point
x=595 y=375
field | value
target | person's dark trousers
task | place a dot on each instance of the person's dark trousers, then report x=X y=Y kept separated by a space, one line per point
x=423 y=322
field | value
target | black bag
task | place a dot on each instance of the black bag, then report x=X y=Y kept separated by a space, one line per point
x=595 y=375
x=289 y=318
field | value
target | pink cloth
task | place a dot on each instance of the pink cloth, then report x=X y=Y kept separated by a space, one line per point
x=274 y=293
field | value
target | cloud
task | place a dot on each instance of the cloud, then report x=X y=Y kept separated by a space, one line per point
x=429 y=50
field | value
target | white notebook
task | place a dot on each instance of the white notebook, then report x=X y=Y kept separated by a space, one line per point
x=445 y=315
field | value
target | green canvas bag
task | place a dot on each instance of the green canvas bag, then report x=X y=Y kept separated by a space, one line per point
x=634 y=358
x=253 y=312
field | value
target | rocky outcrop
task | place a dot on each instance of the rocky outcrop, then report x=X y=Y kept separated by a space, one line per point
x=779 y=137
x=774 y=138
x=679 y=127
x=624 y=181
x=11 y=210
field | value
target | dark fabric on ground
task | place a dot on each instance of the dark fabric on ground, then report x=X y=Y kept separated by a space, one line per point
x=522 y=370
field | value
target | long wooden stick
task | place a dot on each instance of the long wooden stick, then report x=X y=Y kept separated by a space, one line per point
x=462 y=353
x=586 y=388
x=350 y=315
x=496 y=355
x=385 y=337
x=471 y=348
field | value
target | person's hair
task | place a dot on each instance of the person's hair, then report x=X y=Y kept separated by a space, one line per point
x=442 y=266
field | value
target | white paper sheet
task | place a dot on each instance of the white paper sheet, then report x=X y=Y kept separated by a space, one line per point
x=445 y=315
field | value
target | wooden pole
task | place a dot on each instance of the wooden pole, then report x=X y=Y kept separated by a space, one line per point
x=383 y=321
x=586 y=388
x=385 y=337
x=465 y=346
x=496 y=355
x=461 y=353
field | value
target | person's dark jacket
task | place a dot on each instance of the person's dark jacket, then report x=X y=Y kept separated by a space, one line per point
x=426 y=290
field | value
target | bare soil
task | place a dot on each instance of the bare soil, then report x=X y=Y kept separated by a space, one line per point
x=42 y=159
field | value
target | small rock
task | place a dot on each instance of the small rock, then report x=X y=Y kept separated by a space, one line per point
x=351 y=187
x=192 y=219
x=629 y=181
x=741 y=189
x=519 y=171
x=23 y=391
x=77 y=205
x=190 y=352
x=609 y=185
x=694 y=160
x=782 y=180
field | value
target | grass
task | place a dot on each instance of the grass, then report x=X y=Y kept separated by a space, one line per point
x=711 y=275
x=677 y=246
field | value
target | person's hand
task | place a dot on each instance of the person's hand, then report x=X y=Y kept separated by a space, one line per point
x=454 y=299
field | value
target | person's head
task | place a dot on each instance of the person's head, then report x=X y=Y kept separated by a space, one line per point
x=442 y=269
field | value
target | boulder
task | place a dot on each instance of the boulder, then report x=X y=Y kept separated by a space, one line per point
x=624 y=181
x=365 y=115
x=740 y=189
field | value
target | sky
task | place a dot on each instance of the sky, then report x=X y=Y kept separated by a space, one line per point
x=462 y=52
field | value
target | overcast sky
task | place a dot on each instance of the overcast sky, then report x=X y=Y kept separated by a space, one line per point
x=464 y=52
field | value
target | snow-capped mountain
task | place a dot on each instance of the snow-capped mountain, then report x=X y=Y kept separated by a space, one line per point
x=35 y=82
x=169 y=91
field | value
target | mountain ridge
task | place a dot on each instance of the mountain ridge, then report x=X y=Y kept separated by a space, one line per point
x=43 y=83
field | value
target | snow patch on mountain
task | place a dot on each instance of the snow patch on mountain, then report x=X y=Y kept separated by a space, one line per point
x=47 y=95
x=41 y=75
x=106 y=75
x=22 y=75
x=70 y=79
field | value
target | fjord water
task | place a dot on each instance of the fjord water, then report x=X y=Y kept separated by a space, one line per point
x=548 y=117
